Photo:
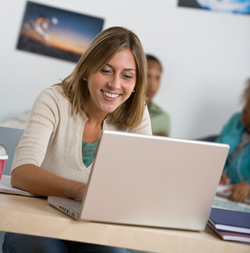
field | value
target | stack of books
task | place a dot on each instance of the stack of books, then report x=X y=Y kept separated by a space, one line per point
x=230 y=225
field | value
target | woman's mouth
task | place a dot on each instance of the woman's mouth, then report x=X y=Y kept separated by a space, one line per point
x=110 y=96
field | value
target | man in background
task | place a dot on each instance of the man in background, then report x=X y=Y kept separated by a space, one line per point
x=160 y=120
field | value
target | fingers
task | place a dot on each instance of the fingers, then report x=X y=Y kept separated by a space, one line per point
x=222 y=182
x=229 y=189
x=224 y=179
x=239 y=194
x=238 y=197
x=228 y=180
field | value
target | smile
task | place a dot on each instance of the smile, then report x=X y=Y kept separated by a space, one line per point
x=110 y=95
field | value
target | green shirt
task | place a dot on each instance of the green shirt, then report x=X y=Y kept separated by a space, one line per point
x=160 y=120
x=88 y=152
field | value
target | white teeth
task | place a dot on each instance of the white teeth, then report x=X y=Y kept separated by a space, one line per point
x=110 y=95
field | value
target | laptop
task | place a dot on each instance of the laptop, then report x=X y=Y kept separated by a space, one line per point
x=9 y=139
x=149 y=181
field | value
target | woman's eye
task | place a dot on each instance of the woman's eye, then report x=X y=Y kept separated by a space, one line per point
x=128 y=76
x=105 y=71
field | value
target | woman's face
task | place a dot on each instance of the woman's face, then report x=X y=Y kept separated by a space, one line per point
x=245 y=118
x=112 y=85
x=154 y=78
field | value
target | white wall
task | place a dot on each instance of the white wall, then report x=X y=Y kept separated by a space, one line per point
x=206 y=59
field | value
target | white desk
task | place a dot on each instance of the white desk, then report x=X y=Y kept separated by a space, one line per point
x=35 y=216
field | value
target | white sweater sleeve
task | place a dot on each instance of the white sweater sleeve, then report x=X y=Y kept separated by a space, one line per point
x=42 y=124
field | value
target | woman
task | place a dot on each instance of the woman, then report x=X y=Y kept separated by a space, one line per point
x=160 y=120
x=236 y=133
x=106 y=90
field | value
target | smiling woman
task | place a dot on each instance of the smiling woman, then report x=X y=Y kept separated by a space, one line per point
x=106 y=90
x=96 y=59
x=113 y=85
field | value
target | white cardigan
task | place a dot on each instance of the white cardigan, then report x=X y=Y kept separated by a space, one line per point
x=53 y=137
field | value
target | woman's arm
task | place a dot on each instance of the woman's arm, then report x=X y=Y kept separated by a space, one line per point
x=224 y=180
x=30 y=153
x=34 y=179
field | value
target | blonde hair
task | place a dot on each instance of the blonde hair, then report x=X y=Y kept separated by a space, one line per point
x=245 y=97
x=102 y=49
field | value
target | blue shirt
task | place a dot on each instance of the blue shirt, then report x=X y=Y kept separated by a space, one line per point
x=239 y=168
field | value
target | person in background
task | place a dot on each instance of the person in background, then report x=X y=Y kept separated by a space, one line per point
x=106 y=90
x=160 y=120
x=236 y=133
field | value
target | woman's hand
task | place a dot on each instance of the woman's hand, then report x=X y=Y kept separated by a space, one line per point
x=239 y=191
x=224 y=180
x=80 y=191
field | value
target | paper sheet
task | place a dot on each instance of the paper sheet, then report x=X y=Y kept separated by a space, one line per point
x=6 y=187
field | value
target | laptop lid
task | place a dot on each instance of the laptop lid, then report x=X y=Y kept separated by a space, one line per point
x=9 y=139
x=153 y=181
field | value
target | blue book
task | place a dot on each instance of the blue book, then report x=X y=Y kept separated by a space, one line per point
x=230 y=220
x=231 y=236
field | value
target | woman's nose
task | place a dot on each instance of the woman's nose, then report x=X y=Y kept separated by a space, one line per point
x=115 y=83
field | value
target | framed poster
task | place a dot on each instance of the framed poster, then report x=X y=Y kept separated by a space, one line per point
x=228 y=6
x=57 y=33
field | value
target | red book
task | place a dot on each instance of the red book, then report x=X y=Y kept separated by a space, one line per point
x=231 y=236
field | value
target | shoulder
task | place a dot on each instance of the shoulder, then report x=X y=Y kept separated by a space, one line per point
x=51 y=104
x=235 y=119
x=236 y=116
x=51 y=95
x=232 y=131
x=53 y=91
x=143 y=128
x=234 y=125
x=155 y=110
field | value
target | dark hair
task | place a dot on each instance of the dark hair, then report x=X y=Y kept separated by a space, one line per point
x=150 y=57
x=245 y=97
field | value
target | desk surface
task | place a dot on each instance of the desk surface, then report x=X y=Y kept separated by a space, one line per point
x=35 y=216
